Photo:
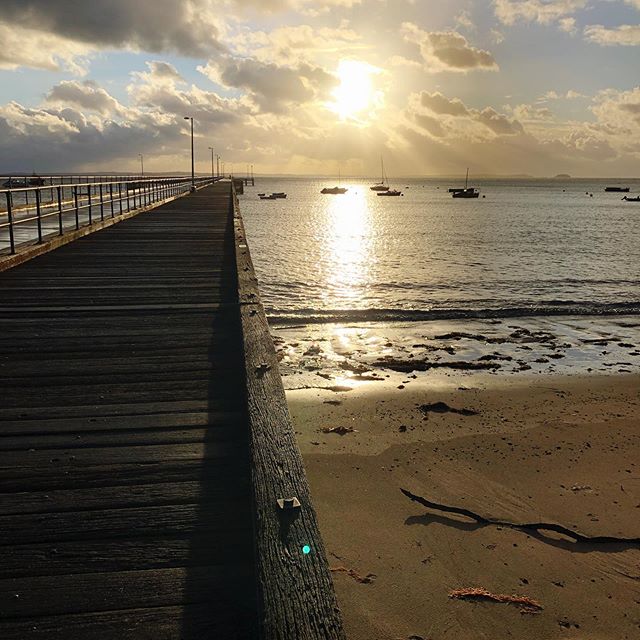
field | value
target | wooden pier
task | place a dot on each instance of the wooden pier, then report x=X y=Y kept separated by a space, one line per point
x=146 y=441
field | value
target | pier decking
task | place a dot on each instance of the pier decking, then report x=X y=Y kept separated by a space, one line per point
x=137 y=476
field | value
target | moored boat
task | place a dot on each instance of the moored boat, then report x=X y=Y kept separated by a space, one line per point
x=467 y=192
x=390 y=192
x=617 y=189
x=633 y=199
x=380 y=186
x=334 y=190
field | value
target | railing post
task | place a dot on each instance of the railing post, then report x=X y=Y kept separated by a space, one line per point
x=60 y=230
x=89 y=199
x=75 y=200
x=38 y=213
x=12 y=243
x=101 y=204
x=111 y=197
x=128 y=204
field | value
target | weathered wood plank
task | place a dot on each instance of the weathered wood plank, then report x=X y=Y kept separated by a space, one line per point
x=297 y=596
x=84 y=593
x=133 y=554
x=117 y=422
x=188 y=622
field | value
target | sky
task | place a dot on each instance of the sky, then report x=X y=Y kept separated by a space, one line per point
x=505 y=87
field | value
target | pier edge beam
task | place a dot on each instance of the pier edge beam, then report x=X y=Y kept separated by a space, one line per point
x=295 y=590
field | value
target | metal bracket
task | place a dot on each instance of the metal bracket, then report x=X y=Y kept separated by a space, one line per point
x=288 y=504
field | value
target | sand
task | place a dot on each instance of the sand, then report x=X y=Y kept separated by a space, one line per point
x=551 y=448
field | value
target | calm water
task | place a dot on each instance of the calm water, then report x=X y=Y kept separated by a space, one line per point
x=530 y=247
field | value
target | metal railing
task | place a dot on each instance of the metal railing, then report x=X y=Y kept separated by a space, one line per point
x=35 y=213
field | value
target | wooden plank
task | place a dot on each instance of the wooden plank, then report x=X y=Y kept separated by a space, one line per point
x=118 y=497
x=175 y=519
x=120 y=422
x=296 y=589
x=144 y=454
x=133 y=554
x=84 y=593
x=130 y=437
x=161 y=623
x=51 y=477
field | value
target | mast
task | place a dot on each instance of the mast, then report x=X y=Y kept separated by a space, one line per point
x=466 y=180
x=381 y=170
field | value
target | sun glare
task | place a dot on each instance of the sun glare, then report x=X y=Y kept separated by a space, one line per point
x=355 y=93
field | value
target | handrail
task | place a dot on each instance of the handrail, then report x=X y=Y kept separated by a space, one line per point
x=81 y=204
x=295 y=589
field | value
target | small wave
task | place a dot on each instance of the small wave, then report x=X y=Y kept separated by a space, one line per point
x=551 y=308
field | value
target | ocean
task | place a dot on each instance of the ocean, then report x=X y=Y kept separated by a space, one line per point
x=526 y=247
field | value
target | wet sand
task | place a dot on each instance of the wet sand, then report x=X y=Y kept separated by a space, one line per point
x=520 y=447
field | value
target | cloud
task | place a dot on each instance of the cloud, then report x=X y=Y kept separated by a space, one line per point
x=465 y=118
x=440 y=104
x=189 y=27
x=542 y=11
x=85 y=95
x=295 y=44
x=530 y=113
x=30 y=48
x=272 y=87
x=626 y=35
x=447 y=50
x=430 y=124
x=497 y=122
x=162 y=89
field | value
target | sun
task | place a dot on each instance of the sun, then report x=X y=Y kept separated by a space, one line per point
x=356 y=92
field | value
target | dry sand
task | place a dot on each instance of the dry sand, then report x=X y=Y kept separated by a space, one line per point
x=559 y=449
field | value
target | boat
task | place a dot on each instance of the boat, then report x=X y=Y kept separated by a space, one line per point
x=279 y=194
x=617 y=189
x=390 y=192
x=467 y=192
x=380 y=186
x=456 y=189
x=635 y=199
x=36 y=181
x=335 y=190
x=15 y=183
x=269 y=197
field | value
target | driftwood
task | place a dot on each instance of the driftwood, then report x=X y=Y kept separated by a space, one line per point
x=535 y=527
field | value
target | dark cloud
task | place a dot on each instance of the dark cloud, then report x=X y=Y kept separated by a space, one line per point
x=497 y=122
x=186 y=26
x=272 y=86
x=448 y=50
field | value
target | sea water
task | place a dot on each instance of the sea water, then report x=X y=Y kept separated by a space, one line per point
x=526 y=247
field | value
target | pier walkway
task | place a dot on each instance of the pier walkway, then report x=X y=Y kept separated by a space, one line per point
x=138 y=472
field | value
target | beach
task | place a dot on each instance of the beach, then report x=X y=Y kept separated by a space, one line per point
x=518 y=443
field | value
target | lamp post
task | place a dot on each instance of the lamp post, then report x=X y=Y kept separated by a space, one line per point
x=141 y=164
x=211 y=148
x=193 y=166
x=217 y=165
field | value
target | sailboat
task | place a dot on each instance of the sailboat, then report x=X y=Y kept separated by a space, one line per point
x=334 y=190
x=389 y=192
x=467 y=192
x=380 y=186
